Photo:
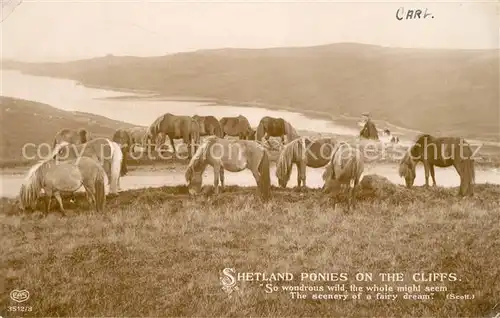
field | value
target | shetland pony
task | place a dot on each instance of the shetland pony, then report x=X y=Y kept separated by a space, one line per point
x=209 y=126
x=440 y=152
x=345 y=168
x=275 y=127
x=55 y=177
x=175 y=127
x=237 y=127
x=105 y=151
x=231 y=155
x=71 y=136
x=303 y=152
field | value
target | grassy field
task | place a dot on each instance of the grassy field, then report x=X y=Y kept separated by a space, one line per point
x=156 y=252
x=446 y=91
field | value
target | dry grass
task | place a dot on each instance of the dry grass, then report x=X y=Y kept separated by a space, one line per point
x=156 y=252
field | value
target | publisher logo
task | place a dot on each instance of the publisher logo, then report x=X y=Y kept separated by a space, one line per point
x=19 y=295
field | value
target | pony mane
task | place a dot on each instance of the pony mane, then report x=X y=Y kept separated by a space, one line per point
x=32 y=183
x=198 y=157
x=153 y=129
x=287 y=157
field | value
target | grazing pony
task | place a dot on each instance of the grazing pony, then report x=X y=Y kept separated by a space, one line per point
x=71 y=136
x=275 y=127
x=388 y=137
x=55 y=177
x=137 y=135
x=231 y=155
x=237 y=127
x=440 y=152
x=105 y=151
x=345 y=168
x=209 y=126
x=175 y=127
x=303 y=152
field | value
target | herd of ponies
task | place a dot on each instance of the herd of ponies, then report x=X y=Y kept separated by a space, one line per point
x=78 y=160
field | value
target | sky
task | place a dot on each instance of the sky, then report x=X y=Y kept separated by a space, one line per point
x=66 y=30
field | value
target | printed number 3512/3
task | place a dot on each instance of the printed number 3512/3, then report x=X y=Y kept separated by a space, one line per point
x=20 y=308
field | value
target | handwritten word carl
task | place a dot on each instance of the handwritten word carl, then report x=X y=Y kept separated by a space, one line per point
x=409 y=14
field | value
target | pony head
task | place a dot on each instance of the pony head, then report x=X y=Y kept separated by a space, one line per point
x=251 y=133
x=32 y=185
x=332 y=186
x=84 y=135
x=196 y=166
x=407 y=170
x=61 y=150
x=194 y=180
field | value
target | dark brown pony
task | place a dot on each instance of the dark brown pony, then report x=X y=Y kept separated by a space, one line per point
x=440 y=152
x=209 y=126
x=71 y=136
x=237 y=127
x=123 y=138
x=275 y=127
x=175 y=127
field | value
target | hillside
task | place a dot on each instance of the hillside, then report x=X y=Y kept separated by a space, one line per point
x=445 y=91
x=165 y=252
x=25 y=121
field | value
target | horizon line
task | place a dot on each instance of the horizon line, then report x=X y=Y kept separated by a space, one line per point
x=76 y=59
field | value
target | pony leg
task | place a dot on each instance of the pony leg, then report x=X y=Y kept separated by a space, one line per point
x=222 y=178
x=59 y=200
x=48 y=200
x=107 y=168
x=299 y=173
x=302 y=172
x=216 y=178
x=91 y=198
x=172 y=144
x=256 y=175
x=433 y=176
x=462 y=182
x=266 y=137
x=350 y=193
x=353 y=192
x=426 y=168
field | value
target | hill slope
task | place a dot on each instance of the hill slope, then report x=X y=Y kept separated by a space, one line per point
x=446 y=91
x=25 y=121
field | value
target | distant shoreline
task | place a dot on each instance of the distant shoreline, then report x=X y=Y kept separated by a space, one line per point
x=312 y=114
x=347 y=120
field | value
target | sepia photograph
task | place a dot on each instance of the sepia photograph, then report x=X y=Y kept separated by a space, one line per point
x=249 y=158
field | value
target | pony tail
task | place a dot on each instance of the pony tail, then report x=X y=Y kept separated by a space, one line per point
x=260 y=132
x=469 y=173
x=265 y=177
x=285 y=161
x=218 y=129
x=189 y=173
x=100 y=192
